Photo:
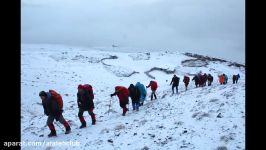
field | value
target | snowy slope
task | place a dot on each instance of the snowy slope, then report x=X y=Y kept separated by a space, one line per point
x=201 y=118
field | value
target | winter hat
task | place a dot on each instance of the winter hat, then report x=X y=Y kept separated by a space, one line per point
x=80 y=86
x=42 y=93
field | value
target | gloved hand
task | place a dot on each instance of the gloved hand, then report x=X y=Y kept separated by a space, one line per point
x=112 y=95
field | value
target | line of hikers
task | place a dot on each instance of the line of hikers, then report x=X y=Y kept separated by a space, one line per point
x=201 y=80
x=53 y=103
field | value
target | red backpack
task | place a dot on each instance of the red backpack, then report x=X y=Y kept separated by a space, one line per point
x=88 y=88
x=122 y=93
x=57 y=97
x=154 y=85
x=186 y=79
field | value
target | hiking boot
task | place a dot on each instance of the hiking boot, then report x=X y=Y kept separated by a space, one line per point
x=68 y=129
x=123 y=114
x=52 y=133
x=83 y=125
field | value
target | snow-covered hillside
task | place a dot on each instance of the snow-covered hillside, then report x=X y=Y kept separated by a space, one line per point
x=205 y=118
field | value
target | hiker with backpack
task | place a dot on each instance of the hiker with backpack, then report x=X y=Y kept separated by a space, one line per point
x=175 y=83
x=186 y=81
x=143 y=92
x=225 y=78
x=221 y=79
x=204 y=78
x=154 y=86
x=85 y=98
x=122 y=94
x=201 y=80
x=235 y=78
x=196 y=79
x=134 y=94
x=53 y=107
x=210 y=79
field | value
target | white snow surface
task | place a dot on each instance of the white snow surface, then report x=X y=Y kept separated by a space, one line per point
x=187 y=120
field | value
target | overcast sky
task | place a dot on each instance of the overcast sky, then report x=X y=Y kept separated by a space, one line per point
x=209 y=27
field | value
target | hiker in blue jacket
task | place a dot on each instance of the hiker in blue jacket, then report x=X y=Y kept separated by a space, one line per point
x=225 y=78
x=143 y=92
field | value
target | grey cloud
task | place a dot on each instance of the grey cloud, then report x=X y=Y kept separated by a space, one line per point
x=215 y=28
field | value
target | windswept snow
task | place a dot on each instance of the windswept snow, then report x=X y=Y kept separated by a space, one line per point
x=205 y=118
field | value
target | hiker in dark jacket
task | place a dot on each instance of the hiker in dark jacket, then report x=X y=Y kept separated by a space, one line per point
x=53 y=108
x=210 y=79
x=134 y=94
x=196 y=79
x=175 y=83
x=235 y=78
x=186 y=80
x=202 y=79
x=85 y=98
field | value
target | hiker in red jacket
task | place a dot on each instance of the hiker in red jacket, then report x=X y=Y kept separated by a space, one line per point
x=154 y=86
x=122 y=94
x=53 y=107
x=186 y=80
x=85 y=98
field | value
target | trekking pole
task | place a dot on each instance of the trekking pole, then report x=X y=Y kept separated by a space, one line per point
x=110 y=105
x=58 y=126
x=128 y=105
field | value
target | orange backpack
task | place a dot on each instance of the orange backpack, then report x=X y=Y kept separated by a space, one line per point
x=57 y=97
